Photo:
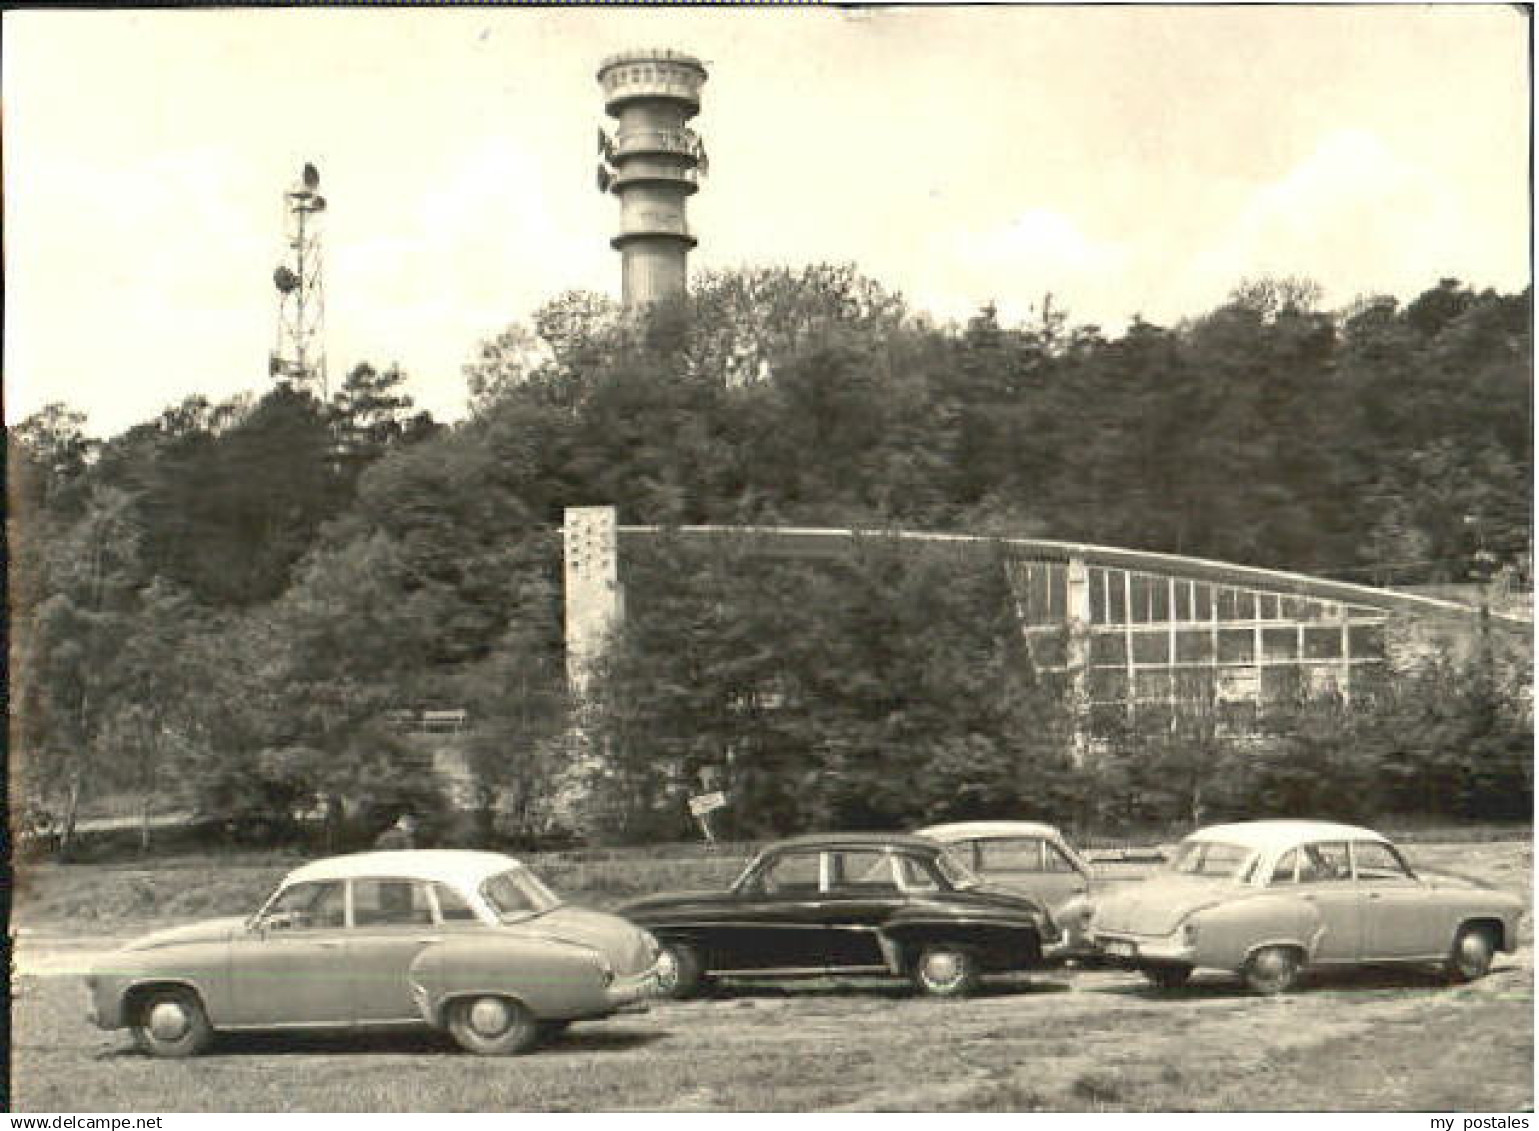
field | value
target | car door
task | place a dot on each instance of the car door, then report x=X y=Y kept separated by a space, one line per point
x=1325 y=882
x=1401 y=919
x=391 y=921
x=860 y=893
x=291 y=968
x=774 y=921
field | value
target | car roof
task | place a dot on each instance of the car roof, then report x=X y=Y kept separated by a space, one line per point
x=1283 y=834
x=965 y=830
x=453 y=866
x=852 y=840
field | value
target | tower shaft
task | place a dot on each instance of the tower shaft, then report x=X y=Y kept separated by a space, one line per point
x=656 y=162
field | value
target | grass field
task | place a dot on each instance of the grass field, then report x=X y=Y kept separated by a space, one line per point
x=1067 y=1041
x=119 y=897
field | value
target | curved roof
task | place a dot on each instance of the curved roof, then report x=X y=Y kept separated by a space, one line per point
x=1283 y=834
x=824 y=542
x=459 y=867
x=962 y=830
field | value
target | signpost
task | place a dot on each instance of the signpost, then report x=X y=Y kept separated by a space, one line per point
x=701 y=808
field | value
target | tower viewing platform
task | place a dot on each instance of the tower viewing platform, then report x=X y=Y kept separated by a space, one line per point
x=653 y=164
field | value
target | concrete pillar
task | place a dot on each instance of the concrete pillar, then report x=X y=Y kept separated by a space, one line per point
x=1077 y=618
x=593 y=599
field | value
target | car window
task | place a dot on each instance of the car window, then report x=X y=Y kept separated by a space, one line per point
x=1212 y=858
x=795 y=872
x=955 y=872
x=452 y=907
x=1286 y=870
x=969 y=852
x=518 y=891
x=861 y=872
x=1055 y=859
x=390 y=903
x=917 y=874
x=1326 y=862
x=1374 y=860
x=1016 y=854
x=313 y=906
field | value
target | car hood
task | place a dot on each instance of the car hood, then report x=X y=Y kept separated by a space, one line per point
x=992 y=897
x=628 y=949
x=208 y=930
x=1157 y=905
x=639 y=910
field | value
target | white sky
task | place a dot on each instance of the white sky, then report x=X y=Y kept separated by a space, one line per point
x=1128 y=160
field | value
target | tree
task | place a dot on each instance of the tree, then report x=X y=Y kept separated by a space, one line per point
x=67 y=647
x=369 y=414
x=504 y=364
x=154 y=723
x=49 y=455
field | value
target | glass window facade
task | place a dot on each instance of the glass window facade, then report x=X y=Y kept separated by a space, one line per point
x=1166 y=639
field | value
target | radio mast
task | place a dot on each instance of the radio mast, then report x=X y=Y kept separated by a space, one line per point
x=299 y=355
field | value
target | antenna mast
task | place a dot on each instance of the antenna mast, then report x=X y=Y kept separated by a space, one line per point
x=299 y=355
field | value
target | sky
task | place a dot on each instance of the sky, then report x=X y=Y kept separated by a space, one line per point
x=1129 y=161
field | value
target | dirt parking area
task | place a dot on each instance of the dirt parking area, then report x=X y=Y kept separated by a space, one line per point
x=1066 y=1040
x=1075 y=1041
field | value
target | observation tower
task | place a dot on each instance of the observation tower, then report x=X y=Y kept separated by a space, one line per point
x=653 y=164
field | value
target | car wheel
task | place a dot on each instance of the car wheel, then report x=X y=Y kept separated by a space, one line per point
x=682 y=974
x=946 y=971
x=1167 y=977
x=172 y=1023
x=493 y=1026
x=1272 y=969
x=1471 y=956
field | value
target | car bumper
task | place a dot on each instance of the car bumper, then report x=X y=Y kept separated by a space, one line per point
x=631 y=992
x=1070 y=948
x=1134 y=951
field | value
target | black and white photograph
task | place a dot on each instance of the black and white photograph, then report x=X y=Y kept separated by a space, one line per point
x=750 y=558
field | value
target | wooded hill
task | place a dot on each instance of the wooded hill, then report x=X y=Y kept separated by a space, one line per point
x=223 y=603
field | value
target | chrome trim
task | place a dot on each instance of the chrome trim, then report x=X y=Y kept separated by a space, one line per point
x=782 y=971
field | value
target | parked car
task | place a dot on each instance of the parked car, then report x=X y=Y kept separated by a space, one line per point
x=470 y=942
x=855 y=903
x=1270 y=899
x=1030 y=858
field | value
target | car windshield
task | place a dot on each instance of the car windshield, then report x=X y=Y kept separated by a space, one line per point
x=1211 y=858
x=518 y=892
x=957 y=874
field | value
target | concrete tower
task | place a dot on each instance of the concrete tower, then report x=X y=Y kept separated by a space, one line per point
x=653 y=165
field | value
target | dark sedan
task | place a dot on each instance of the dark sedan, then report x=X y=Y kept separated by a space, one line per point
x=854 y=903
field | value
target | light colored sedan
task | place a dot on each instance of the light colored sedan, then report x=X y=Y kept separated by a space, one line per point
x=470 y=942
x=1269 y=899
x=1030 y=858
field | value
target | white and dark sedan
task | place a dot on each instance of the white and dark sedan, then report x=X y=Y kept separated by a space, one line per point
x=1270 y=899
x=468 y=942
